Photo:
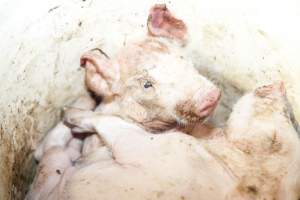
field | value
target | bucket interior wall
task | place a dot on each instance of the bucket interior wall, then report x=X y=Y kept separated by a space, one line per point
x=239 y=45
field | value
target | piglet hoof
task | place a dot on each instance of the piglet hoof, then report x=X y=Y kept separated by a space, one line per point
x=78 y=120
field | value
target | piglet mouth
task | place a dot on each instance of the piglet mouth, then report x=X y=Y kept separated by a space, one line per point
x=207 y=110
x=157 y=126
x=191 y=113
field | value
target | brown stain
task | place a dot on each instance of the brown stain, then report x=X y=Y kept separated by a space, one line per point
x=275 y=144
x=23 y=165
x=185 y=111
x=160 y=194
x=269 y=146
x=258 y=186
x=256 y=179
x=19 y=132
x=248 y=191
x=6 y=148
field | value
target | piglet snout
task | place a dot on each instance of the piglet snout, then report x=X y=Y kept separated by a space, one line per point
x=208 y=102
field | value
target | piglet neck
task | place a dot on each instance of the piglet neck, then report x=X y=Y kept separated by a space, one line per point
x=126 y=109
x=131 y=111
x=108 y=108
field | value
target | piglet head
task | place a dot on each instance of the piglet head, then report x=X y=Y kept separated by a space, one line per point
x=152 y=82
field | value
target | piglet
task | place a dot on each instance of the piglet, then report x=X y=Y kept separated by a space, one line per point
x=61 y=134
x=256 y=157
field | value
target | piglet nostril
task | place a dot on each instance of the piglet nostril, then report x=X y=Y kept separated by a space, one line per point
x=208 y=103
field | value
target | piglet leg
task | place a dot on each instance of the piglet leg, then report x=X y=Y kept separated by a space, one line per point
x=61 y=134
x=74 y=148
x=91 y=144
x=58 y=136
x=55 y=162
x=110 y=128
x=49 y=172
x=79 y=120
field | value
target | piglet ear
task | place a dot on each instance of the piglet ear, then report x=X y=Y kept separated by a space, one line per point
x=162 y=23
x=101 y=73
x=275 y=88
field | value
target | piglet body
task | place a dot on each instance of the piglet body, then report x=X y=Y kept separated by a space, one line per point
x=256 y=157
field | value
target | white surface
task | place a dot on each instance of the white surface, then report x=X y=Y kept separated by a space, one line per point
x=244 y=43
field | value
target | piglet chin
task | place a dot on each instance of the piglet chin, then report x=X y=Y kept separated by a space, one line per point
x=156 y=126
